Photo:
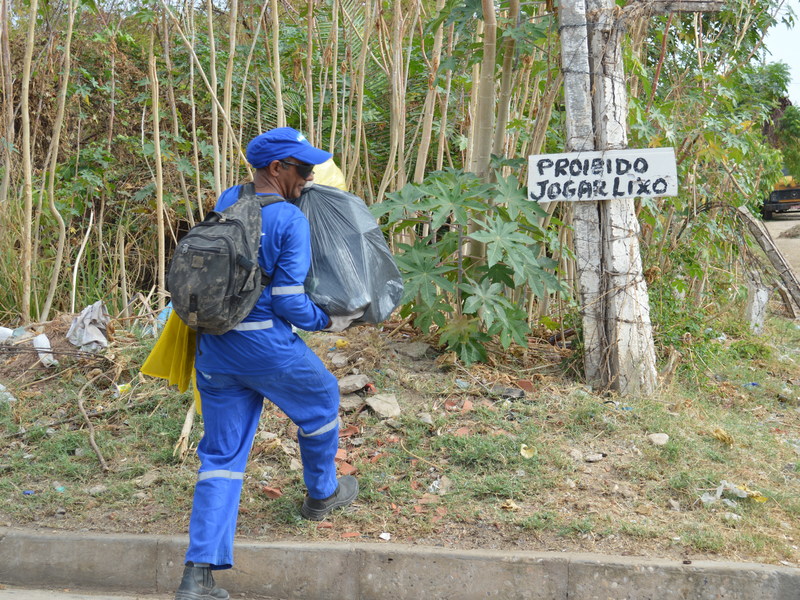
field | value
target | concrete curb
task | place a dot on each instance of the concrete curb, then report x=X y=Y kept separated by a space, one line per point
x=368 y=571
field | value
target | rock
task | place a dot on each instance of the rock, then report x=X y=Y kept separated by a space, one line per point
x=97 y=490
x=506 y=392
x=674 y=505
x=594 y=457
x=658 y=439
x=338 y=360
x=576 y=454
x=148 y=479
x=393 y=423
x=426 y=418
x=385 y=405
x=295 y=465
x=350 y=402
x=413 y=350
x=352 y=383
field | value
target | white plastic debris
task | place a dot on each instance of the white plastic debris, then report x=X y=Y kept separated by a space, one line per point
x=42 y=345
x=385 y=536
x=5 y=395
x=88 y=330
x=5 y=333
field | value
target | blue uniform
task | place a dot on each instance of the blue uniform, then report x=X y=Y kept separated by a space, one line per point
x=262 y=358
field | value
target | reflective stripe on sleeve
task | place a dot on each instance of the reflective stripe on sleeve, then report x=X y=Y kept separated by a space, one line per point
x=321 y=430
x=219 y=474
x=254 y=325
x=288 y=290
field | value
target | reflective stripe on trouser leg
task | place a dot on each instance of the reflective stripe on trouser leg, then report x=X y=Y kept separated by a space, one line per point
x=319 y=469
x=309 y=395
x=230 y=417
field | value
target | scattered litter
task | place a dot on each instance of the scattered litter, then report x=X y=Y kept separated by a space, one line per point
x=385 y=536
x=122 y=388
x=341 y=343
x=527 y=451
x=674 y=505
x=5 y=395
x=464 y=385
x=5 y=333
x=658 y=439
x=752 y=384
x=510 y=505
x=441 y=486
x=88 y=330
x=723 y=436
x=42 y=345
x=729 y=516
x=739 y=491
x=28 y=493
x=617 y=405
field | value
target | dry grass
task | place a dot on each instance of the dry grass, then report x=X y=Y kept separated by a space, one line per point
x=464 y=465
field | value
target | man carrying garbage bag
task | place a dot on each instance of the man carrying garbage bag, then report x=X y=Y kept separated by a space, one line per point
x=263 y=358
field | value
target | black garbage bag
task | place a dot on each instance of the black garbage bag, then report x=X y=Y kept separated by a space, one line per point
x=352 y=268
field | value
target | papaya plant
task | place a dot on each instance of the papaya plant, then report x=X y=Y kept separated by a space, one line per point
x=465 y=299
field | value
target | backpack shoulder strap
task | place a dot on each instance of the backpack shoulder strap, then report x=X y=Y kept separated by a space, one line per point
x=248 y=191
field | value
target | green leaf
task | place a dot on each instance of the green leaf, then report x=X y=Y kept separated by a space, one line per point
x=423 y=277
x=502 y=238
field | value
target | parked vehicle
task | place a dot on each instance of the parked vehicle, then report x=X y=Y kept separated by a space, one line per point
x=783 y=198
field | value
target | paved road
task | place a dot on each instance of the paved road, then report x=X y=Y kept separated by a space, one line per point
x=790 y=247
x=9 y=593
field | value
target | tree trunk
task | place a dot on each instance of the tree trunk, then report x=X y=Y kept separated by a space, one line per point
x=8 y=95
x=51 y=176
x=630 y=352
x=161 y=266
x=276 y=66
x=27 y=168
x=504 y=101
x=585 y=217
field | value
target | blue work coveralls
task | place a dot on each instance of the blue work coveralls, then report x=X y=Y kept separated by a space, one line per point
x=262 y=358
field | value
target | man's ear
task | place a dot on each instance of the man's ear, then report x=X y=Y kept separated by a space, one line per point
x=274 y=168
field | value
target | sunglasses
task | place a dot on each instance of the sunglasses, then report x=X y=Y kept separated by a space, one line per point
x=303 y=169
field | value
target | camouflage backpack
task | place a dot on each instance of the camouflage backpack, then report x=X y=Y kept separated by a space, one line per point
x=214 y=278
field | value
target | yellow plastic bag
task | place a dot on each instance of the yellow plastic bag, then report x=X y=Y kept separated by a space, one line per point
x=329 y=174
x=172 y=358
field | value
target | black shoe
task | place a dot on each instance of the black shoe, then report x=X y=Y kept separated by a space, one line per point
x=346 y=492
x=198 y=584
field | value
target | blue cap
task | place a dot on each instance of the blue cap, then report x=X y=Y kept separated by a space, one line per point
x=280 y=143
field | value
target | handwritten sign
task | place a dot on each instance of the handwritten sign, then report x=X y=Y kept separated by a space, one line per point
x=590 y=176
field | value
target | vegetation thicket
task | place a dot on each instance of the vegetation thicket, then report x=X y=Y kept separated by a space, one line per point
x=121 y=122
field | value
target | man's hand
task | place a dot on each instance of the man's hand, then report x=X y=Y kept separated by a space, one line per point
x=342 y=322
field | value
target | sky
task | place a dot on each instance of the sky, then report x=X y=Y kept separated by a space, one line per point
x=784 y=45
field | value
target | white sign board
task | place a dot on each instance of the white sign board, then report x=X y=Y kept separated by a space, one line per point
x=590 y=176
